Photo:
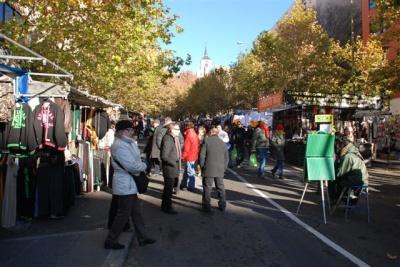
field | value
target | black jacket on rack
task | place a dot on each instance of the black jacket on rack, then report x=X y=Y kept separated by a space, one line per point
x=101 y=123
x=21 y=138
x=4 y=131
x=49 y=126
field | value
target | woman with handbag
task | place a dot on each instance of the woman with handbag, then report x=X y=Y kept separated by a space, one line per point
x=126 y=162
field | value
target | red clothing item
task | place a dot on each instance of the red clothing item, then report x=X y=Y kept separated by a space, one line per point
x=265 y=129
x=191 y=146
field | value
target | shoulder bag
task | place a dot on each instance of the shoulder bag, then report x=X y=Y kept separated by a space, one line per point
x=141 y=181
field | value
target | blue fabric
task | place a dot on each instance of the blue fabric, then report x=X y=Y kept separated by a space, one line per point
x=262 y=154
x=22 y=79
x=189 y=175
x=278 y=167
x=22 y=85
x=6 y=69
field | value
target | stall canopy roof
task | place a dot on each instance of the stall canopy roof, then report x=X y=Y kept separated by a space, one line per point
x=84 y=98
x=46 y=89
x=76 y=96
x=371 y=113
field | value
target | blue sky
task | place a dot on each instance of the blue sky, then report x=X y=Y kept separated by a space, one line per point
x=221 y=24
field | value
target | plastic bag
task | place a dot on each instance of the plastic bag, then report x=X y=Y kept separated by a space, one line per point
x=234 y=154
x=253 y=160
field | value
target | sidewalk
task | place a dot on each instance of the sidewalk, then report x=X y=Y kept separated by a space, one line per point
x=386 y=162
x=76 y=240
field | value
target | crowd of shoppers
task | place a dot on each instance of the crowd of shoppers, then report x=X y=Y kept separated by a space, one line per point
x=179 y=151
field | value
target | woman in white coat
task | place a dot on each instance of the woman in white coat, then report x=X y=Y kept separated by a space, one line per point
x=126 y=162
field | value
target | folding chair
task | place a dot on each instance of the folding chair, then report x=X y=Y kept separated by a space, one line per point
x=353 y=192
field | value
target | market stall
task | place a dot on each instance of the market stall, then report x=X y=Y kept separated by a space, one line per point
x=297 y=110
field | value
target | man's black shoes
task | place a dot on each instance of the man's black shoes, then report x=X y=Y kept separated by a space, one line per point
x=113 y=245
x=147 y=241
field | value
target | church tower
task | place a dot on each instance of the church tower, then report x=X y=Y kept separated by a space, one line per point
x=206 y=65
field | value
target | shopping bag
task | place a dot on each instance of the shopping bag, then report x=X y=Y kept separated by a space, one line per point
x=234 y=153
x=253 y=160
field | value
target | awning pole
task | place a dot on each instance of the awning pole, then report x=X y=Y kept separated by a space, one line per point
x=50 y=74
x=36 y=54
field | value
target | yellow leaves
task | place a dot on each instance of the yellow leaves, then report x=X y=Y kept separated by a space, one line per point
x=116 y=58
x=107 y=51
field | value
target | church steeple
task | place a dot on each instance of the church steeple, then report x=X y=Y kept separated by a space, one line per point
x=206 y=65
x=205 y=53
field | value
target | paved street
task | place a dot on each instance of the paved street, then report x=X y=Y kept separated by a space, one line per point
x=94 y=94
x=254 y=231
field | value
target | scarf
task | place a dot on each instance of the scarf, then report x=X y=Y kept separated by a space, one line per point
x=178 y=150
x=264 y=127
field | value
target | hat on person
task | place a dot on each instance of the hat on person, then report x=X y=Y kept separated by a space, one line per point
x=123 y=125
x=280 y=127
x=167 y=121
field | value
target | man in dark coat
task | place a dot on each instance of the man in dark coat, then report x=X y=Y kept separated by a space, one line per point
x=214 y=159
x=238 y=136
x=155 y=149
x=171 y=165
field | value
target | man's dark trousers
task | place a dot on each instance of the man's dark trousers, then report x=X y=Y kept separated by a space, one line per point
x=207 y=187
x=167 y=193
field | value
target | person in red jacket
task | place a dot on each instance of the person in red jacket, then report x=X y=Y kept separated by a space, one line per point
x=190 y=155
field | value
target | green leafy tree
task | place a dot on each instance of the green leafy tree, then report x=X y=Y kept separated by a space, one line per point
x=387 y=22
x=297 y=55
x=247 y=83
x=361 y=65
x=111 y=46
x=208 y=95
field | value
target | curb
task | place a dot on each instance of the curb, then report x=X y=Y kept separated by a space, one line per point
x=117 y=258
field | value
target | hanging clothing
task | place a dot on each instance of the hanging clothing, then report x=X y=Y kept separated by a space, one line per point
x=34 y=102
x=21 y=137
x=4 y=132
x=49 y=126
x=76 y=126
x=49 y=187
x=3 y=173
x=66 y=108
x=26 y=188
x=88 y=131
x=69 y=186
x=101 y=123
x=9 y=205
x=7 y=100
